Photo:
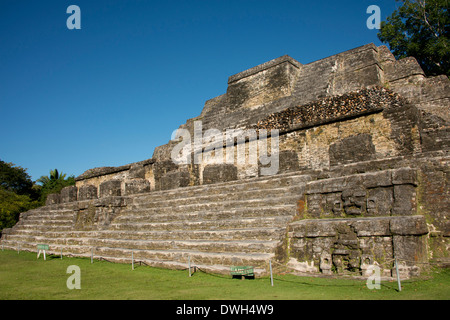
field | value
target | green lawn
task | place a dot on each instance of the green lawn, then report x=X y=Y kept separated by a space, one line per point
x=22 y=276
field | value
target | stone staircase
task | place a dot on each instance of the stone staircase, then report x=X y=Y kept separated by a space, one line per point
x=214 y=226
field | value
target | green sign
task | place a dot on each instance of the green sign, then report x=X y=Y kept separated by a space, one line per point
x=42 y=246
x=242 y=271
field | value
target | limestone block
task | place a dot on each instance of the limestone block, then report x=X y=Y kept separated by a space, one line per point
x=53 y=198
x=377 y=179
x=69 y=194
x=356 y=79
x=5 y=232
x=402 y=68
x=366 y=227
x=410 y=249
x=136 y=186
x=325 y=263
x=137 y=171
x=162 y=167
x=385 y=54
x=352 y=149
x=302 y=266
x=404 y=176
x=261 y=84
x=354 y=201
x=288 y=161
x=358 y=58
x=414 y=225
x=404 y=200
x=110 y=188
x=215 y=173
x=315 y=228
x=175 y=179
x=379 y=201
x=87 y=192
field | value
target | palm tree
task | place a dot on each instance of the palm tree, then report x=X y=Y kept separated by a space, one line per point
x=54 y=183
x=52 y=178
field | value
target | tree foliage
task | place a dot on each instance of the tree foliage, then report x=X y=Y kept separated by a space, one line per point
x=11 y=205
x=421 y=29
x=54 y=183
x=18 y=193
x=14 y=178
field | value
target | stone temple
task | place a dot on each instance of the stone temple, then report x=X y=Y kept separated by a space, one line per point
x=361 y=178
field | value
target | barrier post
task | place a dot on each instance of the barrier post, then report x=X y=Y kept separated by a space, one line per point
x=132 y=260
x=271 y=275
x=189 y=265
x=398 y=276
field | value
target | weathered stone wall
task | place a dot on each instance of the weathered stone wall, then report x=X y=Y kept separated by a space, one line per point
x=98 y=214
x=347 y=220
x=262 y=84
x=380 y=193
x=350 y=246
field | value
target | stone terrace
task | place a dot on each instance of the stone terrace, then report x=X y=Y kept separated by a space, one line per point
x=362 y=179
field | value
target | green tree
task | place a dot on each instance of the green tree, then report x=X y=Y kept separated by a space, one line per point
x=54 y=183
x=16 y=179
x=11 y=205
x=17 y=194
x=421 y=29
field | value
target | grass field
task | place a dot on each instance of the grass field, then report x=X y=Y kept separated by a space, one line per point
x=23 y=277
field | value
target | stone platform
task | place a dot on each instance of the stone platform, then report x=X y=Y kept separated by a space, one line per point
x=361 y=178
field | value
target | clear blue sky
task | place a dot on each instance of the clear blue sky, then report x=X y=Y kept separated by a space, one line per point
x=108 y=94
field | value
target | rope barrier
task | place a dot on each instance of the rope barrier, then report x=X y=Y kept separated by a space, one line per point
x=274 y=266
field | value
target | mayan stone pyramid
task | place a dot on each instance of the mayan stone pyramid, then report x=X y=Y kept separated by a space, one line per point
x=355 y=174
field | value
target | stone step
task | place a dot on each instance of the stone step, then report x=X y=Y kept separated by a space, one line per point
x=45 y=223
x=237 y=197
x=267 y=233
x=44 y=228
x=204 y=224
x=260 y=246
x=226 y=208
x=52 y=217
x=191 y=221
x=52 y=210
x=44 y=213
x=54 y=234
x=148 y=215
x=218 y=269
x=206 y=194
x=217 y=205
x=200 y=257
x=175 y=265
x=282 y=181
